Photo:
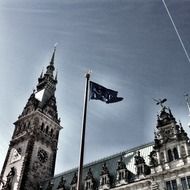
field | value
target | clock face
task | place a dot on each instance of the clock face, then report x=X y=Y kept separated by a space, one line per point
x=42 y=155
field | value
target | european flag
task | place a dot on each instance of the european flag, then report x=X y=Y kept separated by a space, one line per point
x=98 y=92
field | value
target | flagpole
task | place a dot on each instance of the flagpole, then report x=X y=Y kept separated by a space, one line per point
x=81 y=157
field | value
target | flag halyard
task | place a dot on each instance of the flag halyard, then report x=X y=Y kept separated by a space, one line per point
x=98 y=92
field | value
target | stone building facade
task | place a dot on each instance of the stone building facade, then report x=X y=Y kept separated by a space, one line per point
x=30 y=161
x=161 y=165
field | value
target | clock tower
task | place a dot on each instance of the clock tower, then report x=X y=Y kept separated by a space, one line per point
x=32 y=151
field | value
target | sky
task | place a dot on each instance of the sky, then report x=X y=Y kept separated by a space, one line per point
x=130 y=46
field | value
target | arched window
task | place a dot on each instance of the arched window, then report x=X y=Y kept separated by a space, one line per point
x=28 y=124
x=51 y=132
x=104 y=180
x=183 y=152
x=88 y=185
x=162 y=159
x=57 y=134
x=47 y=129
x=170 y=156
x=42 y=127
x=120 y=176
x=176 y=155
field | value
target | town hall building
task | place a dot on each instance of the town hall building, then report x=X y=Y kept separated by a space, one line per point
x=30 y=161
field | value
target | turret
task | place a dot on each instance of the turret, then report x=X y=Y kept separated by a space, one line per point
x=171 y=142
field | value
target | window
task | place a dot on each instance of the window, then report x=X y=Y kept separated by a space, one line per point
x=51 y=132
x=171 y=185
x=141 y=169
x=184 y=184
x=121 y=175
x=176 y=155
x=88 y=185
x=42 y=127
x=173 y=155
x=47 y=129
x=162 y=160
x=188 y=181
x=168 y=185
x=57 y=134
x=170 y=156
x=185 y=181
x=183 y=152
x=104 y=180
x=174 y=184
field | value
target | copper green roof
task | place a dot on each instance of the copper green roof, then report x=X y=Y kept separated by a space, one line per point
x=96 y=168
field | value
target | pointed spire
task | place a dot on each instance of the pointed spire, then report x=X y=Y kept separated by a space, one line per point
x=53 y=55
x=41 y=75
x=121 y=164
x=40 y=79
x=155 y=134
x=47 y=80
x=180 y=123
x=104 y=169
x=50 y=67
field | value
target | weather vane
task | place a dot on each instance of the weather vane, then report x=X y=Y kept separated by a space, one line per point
x=55 y=45
x=160 y=102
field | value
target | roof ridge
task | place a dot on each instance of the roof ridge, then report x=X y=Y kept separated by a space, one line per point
x=105 y=158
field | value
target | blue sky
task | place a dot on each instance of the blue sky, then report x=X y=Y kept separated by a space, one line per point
x=130 y=46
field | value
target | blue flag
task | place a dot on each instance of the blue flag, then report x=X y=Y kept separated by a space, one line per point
x=98 y=92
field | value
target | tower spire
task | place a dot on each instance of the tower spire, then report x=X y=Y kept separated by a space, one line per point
x=41 y=75
x=50 y=67
x=47 y=82
x=53 y=55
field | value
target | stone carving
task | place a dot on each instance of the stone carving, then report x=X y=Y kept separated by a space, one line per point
x=36 y=121
x=74 y=180
x=89 y=174
x=139 y=162
x=89 y=180
x=1 y=181
x=139 y=159
x=121 y=164
x=141 y=166
x=153 y=158
x=104 y=169
x=10 y=176
x=62 y=184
